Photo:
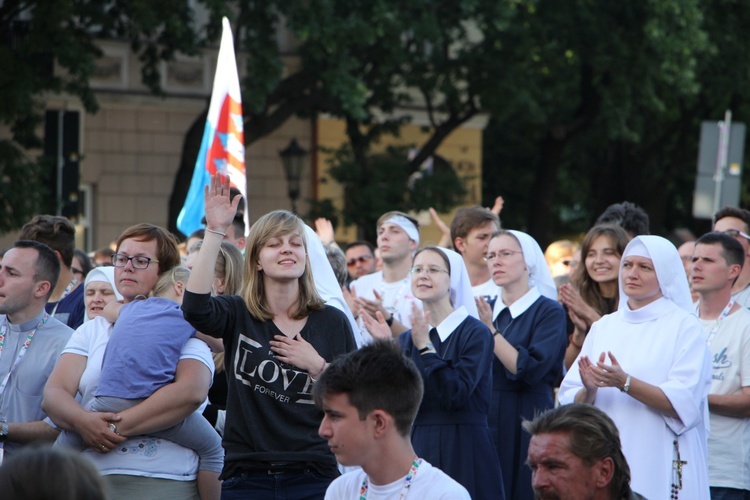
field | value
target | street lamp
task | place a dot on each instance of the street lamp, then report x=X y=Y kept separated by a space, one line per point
x=293 y=158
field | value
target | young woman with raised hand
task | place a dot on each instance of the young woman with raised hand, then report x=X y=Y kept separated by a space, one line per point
x=455 y=360
x=528 y=327
x=278 y=337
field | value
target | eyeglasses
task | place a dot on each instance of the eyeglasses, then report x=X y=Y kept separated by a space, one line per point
x=735 y=233
x=362 y=259
x=138 y=262
x=429 y=271
x=502 y=255
x=76 y=271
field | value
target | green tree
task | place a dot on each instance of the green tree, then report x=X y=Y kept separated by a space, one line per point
x=49 y=47
x=598 y=98
x=361 y=61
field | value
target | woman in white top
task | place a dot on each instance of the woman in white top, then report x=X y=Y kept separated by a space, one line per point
x=143 y=467
x=647 y=366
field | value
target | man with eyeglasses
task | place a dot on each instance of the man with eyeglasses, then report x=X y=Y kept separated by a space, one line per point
x=360 y=259
x=66 y=301
x=736 y=223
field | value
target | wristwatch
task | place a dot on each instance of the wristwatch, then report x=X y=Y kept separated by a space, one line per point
x=389 y=321
x=626 y=387
x=113 y=428
x=427 y=348
x=4 y=432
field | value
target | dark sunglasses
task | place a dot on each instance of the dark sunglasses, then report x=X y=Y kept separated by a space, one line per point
x=362 y=259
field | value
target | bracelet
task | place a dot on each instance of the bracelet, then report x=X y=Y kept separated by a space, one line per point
x=495 y=333
x=223 y=235
x=389 y=321
x=626 y=387
x=319 y=371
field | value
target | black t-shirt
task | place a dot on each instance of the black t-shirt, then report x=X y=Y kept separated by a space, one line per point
x=271 y=417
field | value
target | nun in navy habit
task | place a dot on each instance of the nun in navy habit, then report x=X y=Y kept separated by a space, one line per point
x=528 y=328
x=455 y=360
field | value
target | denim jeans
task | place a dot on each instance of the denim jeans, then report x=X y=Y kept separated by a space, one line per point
x=721 y=493
x=283 y=485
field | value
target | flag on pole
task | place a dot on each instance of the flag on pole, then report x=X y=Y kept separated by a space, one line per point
x=223 y=144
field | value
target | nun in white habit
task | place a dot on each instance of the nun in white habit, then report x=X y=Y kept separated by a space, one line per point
x=648 y=367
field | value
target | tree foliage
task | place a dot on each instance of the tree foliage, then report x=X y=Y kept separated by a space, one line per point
x=614 y=110
x=50 y=47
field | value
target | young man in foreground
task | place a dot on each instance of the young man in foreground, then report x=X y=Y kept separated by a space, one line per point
x=370 y=398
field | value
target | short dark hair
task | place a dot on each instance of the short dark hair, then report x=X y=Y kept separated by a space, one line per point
x=198 y=233
x=47 y=265
x=238 y=225
x=737 y=213
x=55 y=231
x=361 y=243
x=629 y=216
x=167 y=252
x=593 y=436
x=731 y=249
x=377 y=376
x=468 y=218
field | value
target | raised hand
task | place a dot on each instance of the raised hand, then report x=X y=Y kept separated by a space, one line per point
x=588 y=374
x=571 y=298
x=498 y=206
x=485 y=312
x=324 y=229
x=420 y=327
x=611 y=375
x=377 y=326
x=220 y=210
x=445 y=231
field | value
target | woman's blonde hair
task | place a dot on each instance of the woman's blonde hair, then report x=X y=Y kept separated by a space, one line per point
x=228 y=268
x=168 y=279
x=275 y=224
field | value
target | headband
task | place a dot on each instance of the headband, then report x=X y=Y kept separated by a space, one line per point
x=405 y=224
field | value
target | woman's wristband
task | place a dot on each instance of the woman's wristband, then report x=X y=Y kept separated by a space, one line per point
x=223 y=235
x=320 y=372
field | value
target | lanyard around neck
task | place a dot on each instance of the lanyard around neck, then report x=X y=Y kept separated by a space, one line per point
x=65 y=293
x=407 y=482
x=715 y=328
x=3 y=334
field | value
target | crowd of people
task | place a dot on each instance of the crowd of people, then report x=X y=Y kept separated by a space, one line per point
x=263 y=365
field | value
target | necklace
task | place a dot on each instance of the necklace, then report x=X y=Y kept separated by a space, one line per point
x=715 y=328
x=407 y=481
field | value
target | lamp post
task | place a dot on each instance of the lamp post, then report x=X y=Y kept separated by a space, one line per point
x=293 y=158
